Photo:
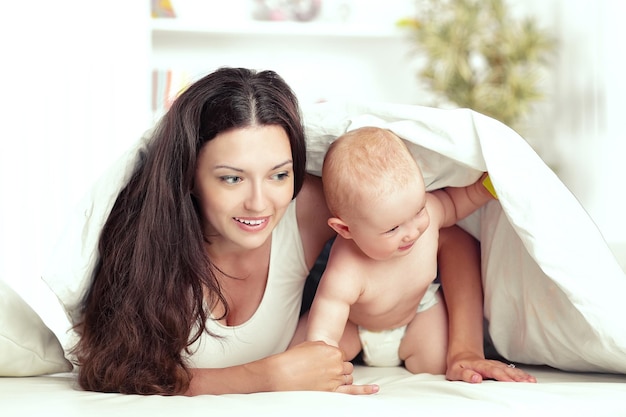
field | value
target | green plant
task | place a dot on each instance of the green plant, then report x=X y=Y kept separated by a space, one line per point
x=476 y=55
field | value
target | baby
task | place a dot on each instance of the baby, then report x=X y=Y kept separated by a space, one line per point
x=382 y=267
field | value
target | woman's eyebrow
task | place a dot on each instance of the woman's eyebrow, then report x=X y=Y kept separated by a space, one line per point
x=227 y=167
x=287 y=162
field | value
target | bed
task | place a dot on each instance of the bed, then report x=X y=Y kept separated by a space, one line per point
x=554 y=291
x=402 y=394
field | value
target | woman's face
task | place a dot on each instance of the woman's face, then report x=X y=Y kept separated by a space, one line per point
x=244 y=183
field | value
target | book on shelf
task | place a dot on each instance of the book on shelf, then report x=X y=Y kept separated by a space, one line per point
x=167 y=84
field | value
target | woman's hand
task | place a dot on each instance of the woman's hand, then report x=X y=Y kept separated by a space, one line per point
x=308 y=366
x=474 y=370
x=315 y=366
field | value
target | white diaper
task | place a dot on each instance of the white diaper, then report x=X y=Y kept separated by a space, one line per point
x=381 y=348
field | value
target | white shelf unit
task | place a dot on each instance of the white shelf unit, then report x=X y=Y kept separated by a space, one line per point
x=169 y=26
x=320 y=60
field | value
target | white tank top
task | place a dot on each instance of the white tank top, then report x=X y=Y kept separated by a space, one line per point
x=272 y=326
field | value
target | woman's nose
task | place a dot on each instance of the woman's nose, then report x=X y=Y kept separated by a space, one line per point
x=256 y=199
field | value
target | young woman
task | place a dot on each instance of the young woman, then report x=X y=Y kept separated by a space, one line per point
x=204 y=256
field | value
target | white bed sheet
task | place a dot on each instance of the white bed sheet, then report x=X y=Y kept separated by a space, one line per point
x=557 y=393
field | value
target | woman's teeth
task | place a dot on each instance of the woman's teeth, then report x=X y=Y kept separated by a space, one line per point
x=250 y=222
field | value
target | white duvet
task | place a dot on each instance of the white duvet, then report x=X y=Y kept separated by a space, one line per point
x=554 y=293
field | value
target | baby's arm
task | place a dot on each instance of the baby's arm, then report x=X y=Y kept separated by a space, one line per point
x=329 y=312
x=456 y=203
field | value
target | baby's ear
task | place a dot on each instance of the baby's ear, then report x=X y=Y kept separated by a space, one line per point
x=340 y=227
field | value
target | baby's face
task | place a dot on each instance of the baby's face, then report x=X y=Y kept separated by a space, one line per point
x=390 y=226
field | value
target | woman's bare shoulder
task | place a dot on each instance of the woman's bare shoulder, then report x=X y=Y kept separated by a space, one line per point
x=313 y=215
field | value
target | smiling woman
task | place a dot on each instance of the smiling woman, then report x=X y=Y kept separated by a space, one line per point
x=204 y=254
x=243 y=194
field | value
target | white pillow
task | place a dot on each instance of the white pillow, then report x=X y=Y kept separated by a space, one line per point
x=27 y=346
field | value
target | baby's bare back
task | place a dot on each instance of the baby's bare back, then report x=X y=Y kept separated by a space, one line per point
x=393 y=289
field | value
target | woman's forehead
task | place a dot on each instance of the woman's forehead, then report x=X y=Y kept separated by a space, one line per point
x=251 y=145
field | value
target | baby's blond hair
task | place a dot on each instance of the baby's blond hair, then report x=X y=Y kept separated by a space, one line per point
x=365 y=165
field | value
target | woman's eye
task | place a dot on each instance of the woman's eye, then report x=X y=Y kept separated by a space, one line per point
x=280 y=176
x=230 y=179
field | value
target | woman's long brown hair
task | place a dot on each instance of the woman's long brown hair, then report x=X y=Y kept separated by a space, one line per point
x=146 y=304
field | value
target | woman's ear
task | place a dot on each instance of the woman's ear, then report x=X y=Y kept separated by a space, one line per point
x=340 y=227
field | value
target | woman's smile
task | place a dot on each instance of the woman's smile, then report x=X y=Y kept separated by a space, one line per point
x=252 y=224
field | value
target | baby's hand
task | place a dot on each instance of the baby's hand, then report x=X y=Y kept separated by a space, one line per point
x=475 y=370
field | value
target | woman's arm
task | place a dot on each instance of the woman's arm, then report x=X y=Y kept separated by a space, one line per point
x=460 y=275
x=309 y=366
x=313 y=215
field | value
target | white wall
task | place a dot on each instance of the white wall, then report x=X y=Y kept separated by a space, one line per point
x=584 y=127
x=74 y=94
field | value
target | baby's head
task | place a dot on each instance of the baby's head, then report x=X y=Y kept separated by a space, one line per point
x=364 y=166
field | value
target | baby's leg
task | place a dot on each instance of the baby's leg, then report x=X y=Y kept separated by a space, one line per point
x=424 y=346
